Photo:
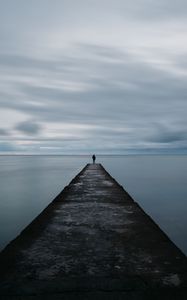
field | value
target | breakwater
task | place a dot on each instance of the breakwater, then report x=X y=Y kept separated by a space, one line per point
x=93 y=242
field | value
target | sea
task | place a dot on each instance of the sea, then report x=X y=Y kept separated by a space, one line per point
x=158 y=183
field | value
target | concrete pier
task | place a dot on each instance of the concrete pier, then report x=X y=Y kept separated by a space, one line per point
x=93 y=242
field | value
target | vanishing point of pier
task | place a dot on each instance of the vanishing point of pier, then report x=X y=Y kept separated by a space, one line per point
x=93 y=242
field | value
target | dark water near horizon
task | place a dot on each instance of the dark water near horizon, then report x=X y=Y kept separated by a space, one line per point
x=158 y=183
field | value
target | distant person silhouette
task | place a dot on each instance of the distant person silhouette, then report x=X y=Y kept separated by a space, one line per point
x=94 y=158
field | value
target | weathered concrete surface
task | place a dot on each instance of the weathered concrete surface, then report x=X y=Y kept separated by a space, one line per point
x=93 y=242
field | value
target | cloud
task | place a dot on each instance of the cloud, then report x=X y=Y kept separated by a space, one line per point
x=28 y=127
x=149 y=10
x=3 y=132
x=115 y=103
x=112 y=78
x=168 y=135
x=6 y=147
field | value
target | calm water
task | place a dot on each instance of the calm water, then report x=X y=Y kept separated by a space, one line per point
x=157 y=183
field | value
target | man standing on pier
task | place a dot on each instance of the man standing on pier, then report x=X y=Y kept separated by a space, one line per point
x=94 y=158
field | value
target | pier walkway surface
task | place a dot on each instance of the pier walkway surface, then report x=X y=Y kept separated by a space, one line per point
x=93 y=242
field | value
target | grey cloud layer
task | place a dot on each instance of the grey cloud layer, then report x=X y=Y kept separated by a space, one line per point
x=83 y=95
x=114 y=96
x=28 y=127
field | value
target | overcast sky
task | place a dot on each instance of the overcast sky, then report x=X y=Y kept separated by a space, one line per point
x=84 y=76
